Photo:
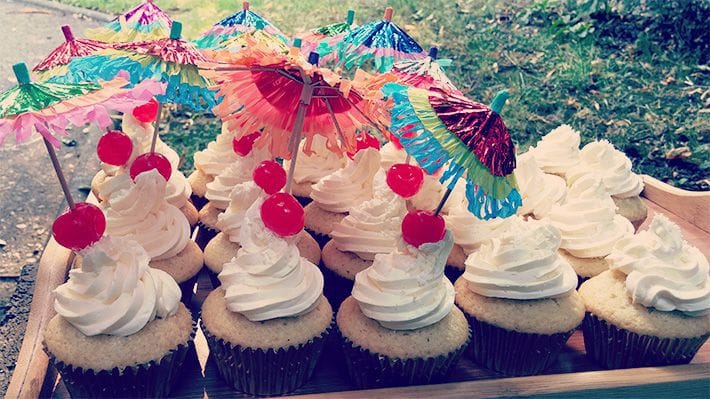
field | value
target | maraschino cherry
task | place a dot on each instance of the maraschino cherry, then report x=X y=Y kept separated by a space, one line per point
x=151 y=160
x=80 y=227
x=421 y=227
x=114 y=148
x=282 y=214
x=147 y=112
x=404 y=179
x=270 y=176
x=364 y=141
x=244 y=145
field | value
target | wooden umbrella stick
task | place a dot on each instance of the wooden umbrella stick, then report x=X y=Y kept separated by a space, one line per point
x=306 y=97
x=60 y=175
x=335 y=122
x=374 y=124
x=157 y=128
x=443 y=201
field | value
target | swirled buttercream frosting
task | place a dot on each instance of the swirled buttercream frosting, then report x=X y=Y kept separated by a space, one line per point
x=613 y=167
x=557 y=151
x=350 y=186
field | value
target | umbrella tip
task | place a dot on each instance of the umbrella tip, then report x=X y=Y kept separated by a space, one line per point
x=313 y=58
x=434 y=52
x=499 y=101
x=351 y=17
x=389 y=11
x=245 y=5
x=68 y=35
x=297 y=42
x=176 y=30
x=21 y=73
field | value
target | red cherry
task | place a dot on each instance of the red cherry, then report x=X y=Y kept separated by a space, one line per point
x=364 y=141
x=404 y=179
x=421 y=227
x=282 y=214
x=149 y=161
x=147 y=112
x=270 y=176
x=80 y=227
x=114 y=148
x=244 y=145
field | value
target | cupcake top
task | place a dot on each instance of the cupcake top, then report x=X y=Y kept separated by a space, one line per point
x=268 y=278
x=142 y=136
x=142 y=214
x=177 y=190
x=588 y=221
x=319 y=164
x=470 y=232
x=613 y=167
x=522 y=263
x=390 y=155
x=374 y=226
x=350 y=186
x=558 y=150
x=406 y=289
x=114 y=291
x=539 y=190
x=239 y=171
x=218 y=155
x=243 y=195
x=662 y=270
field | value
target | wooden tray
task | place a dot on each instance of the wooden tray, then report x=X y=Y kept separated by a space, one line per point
x=572 y=376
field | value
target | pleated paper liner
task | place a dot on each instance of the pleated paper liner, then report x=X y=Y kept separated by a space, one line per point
x=613 y=347
x=149 y=380
x=513 y=353
x=264 y=373
x=372 y=370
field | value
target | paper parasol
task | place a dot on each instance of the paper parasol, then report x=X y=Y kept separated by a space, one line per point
x=322 y=40
x=437 y=128
x=425 y=72
x=146 y=21
x=240 y=22
x=383 y=42
x=241 y=41
x=56 y=62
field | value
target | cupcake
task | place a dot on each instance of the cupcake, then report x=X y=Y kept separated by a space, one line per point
x=558 y=151
x=224 y=246
x=210 y=162
x=589 y=226
x=142 y=214
x=653 y=307
x=311 y=166
x=613 y=167
x=120 y=329
x=519 y=297
x=540 y=191
x=334 y=195
x=400 y=327
x=370 y=228
x=267 y=324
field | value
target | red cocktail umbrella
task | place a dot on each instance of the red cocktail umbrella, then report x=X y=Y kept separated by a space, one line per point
x=55 y=64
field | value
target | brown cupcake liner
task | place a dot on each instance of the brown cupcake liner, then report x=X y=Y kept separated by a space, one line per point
x=199 y=202
x=335 y=287
x=321 y=239
x=204 y=235
x=367 y=369
x=266 y=372
x=613 y=347
x=513 y=353
x=148 y=380
x=187 y=290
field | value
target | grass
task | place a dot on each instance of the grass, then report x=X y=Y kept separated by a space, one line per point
x=609 y=76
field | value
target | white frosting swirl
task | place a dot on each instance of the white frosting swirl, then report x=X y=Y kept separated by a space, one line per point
x=268 y=278
x=115 y=292
x=406 y=289
x=177 y=191
x=218 y=155
x=539 y=190
x=240 y=171
x=558 y=150
x=142 y=214
x=390 y=155
x=350 y=186
x=601 y=159
x=319 y=164
x=588 y=220
x=664 y=271
x=522 y=263
x=240 y=199
x=470 y=232
x=142 y=136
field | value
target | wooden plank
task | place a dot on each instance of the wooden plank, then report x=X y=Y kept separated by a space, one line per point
x=693 y=206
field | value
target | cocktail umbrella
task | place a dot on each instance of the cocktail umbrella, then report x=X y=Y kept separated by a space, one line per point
x=382 y=42
x=439 y=128
x=424 y=72
x=321 y=40
x=240 y=22
x=55 y=64
x=146 y=21
x=241 y=41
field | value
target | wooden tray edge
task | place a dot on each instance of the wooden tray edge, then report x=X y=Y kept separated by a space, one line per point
x=692 y=206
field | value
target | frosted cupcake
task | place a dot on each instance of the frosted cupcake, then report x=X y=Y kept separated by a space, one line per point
x=339 y=192
x=120 y=329
x=312 y=166
x=400 y=327
x=558 y=151
x=613 y=167
x=390 y=154
x=210 y=162
x=520 y=300
x=589 y=226
x=540 y=191
x=142 y=214
x=653 y=307
x=371 y=228
x=267 y=324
